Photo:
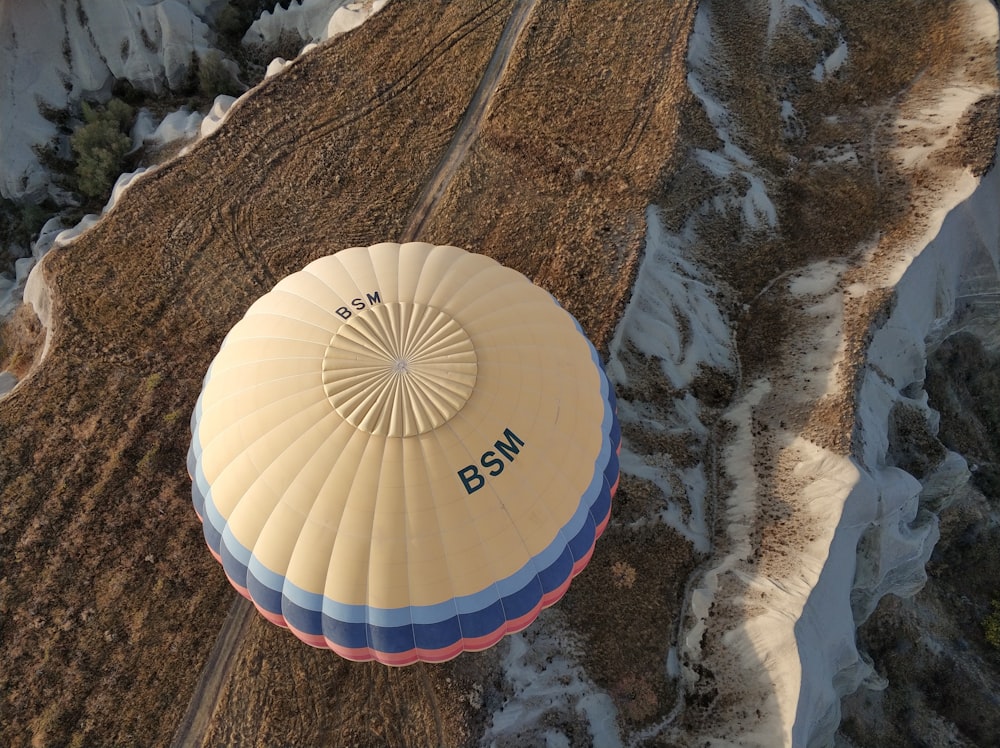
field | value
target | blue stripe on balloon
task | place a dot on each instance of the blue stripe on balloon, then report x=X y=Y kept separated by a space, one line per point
x=392 y=639
x=212 y=536
x=232 y=559
x=611 y=470
x=430 y=627
x=306 y=620
x=553 y=575
x=353 y=635
x=213 y=519
x=263 y=595
x=199 y=491
x=612 y=398
x=601 y=508
x=240 y=552
x=487 y=620
x=444 y=634
x=272 y=592
x=581 y=543
x=193 y=455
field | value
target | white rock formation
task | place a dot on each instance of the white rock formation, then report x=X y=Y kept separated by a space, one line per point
x=311 y=20
x=55 y=51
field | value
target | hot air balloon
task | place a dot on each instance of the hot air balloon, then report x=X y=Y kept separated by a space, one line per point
x=404 y=452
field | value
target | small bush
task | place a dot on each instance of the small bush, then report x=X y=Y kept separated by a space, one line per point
x=287 y=46
x=19 y=227
x=232 y=22
x=991 y=625
x=20 y=223
x=214 y=79
x=100 y=145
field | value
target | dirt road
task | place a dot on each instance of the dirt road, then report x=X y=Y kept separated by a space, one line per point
x=218 y=666
x=469 y=127
x=204 y=701
x=107 y=590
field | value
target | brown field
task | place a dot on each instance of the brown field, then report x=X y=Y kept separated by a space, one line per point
x=109 y=601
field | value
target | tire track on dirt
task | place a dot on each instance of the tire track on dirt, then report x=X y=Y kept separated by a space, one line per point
x=438 y=50
x=657 y=80
x=192 y=728
x=205 y=698
x=469 y=127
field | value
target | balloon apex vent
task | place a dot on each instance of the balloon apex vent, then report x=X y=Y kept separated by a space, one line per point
x=399 y=369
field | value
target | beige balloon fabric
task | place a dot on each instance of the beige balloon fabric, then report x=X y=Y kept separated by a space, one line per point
x=403 y=452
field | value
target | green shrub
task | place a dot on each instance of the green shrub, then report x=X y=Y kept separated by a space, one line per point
x=20 y=223
x=19 y=226
x=232 y=22
x=100 y=145
x=214 y=79
x=991 y=625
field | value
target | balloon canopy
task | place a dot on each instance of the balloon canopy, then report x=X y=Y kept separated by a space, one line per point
x=404 y=452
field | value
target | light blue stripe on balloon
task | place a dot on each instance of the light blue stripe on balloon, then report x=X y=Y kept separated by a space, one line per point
x=308 y=600
x=466 y=604
x=423 y=614
x=607 y=426
x=265 y=576
x=470 y=604
x=349 y=613
x=587 y=499
x=239 y=551
x=212 y=515
x=196 y=414
x=427 y=614
x=193 y=455
x=312 y=601
x=202 y=483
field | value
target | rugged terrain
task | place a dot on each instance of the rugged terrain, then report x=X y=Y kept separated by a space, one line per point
x=937 y=671
x=760 y=171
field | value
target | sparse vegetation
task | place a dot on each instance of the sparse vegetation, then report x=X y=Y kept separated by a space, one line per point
x=232 y=24
x=236 y=17
x=214 y=78
x=19 y=226
x=991 y=625
x=100 y=145
x=962 y=380
x=947 y=684
x=255 y=57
